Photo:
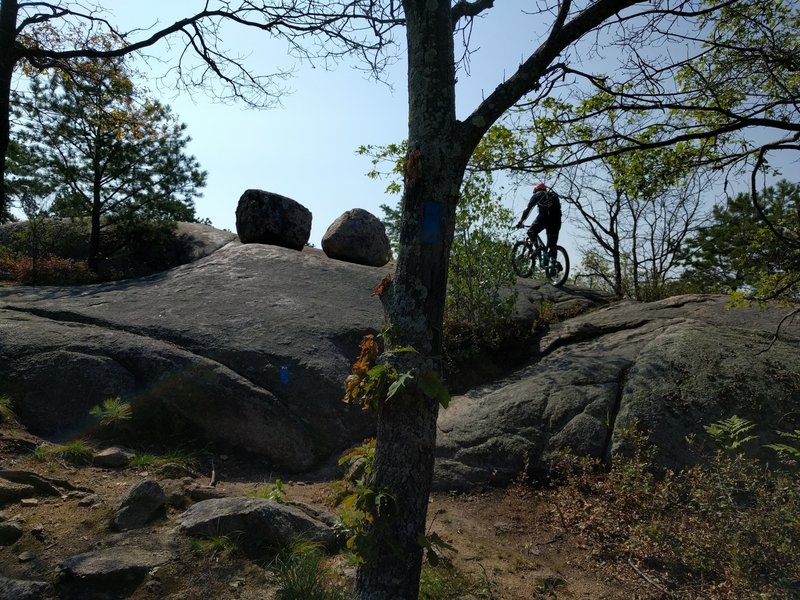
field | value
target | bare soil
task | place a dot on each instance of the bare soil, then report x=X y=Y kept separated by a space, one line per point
x=508 y=541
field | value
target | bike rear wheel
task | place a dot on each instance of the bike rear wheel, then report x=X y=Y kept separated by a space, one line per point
x=555 y=275
x=522 y=258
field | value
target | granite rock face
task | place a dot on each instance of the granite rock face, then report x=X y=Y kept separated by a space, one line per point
x=250 y=346
x=667 y=367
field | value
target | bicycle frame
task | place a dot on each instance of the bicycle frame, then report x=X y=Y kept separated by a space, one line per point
x=530 y=254
x=540 y=249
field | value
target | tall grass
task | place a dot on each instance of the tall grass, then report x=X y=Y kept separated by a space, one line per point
x=77 y=452
x=302 y=574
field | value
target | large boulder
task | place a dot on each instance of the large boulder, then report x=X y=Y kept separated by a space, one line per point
x=267 y=218
x=249 y=347
x=666 y=367
x=359 y=237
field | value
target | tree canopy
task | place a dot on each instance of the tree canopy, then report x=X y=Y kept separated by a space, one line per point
x=39 y=35
x=104 y=151
x=735 y=88
x=739 y=251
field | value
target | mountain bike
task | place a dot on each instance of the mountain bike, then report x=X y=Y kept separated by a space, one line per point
x=529 y=259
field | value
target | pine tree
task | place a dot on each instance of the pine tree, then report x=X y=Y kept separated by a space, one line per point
x=106 y=152
x=743 y=251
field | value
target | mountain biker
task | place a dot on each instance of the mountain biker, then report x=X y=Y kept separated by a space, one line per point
x=549 y=217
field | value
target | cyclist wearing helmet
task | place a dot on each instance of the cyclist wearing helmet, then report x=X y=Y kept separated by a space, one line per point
x=549 y=217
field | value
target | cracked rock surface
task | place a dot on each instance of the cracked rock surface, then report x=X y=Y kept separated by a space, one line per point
x=668 y=367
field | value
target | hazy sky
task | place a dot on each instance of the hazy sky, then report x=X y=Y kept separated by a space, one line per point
x=306 y=148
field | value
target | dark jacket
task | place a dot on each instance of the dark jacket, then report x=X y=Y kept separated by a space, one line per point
x=548 y=202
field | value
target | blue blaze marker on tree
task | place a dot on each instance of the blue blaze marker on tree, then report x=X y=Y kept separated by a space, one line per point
x=432 y=223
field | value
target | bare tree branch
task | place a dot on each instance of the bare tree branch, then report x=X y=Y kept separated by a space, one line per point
x=528 y=75
x=464 y=9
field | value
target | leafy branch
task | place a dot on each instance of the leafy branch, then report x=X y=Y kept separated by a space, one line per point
x=371 y=383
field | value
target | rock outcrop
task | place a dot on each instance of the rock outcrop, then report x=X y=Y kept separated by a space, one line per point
x=357 y=236
x=267 y=218
x=249 y=347
x=255 y=523
x=666 y=367
x=204 y=343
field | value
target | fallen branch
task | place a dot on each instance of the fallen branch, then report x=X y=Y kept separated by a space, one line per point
x=650 y=580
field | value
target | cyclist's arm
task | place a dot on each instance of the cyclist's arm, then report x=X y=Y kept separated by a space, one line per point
x=531 y=203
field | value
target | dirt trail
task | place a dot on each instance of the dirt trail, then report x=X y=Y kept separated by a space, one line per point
x=505 y=539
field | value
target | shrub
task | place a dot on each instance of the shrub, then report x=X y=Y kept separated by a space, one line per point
x=46 y=271
x=722 y=530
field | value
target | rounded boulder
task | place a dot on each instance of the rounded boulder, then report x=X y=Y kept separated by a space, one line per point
x=358 y=237
x=267 y=218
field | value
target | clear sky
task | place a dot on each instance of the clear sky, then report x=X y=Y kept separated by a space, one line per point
x=306 y=148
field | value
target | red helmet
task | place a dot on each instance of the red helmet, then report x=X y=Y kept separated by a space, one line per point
x=539 y=187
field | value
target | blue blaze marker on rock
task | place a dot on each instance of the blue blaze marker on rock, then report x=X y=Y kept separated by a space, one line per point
x=284 y=375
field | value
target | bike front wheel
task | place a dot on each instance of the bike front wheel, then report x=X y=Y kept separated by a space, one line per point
x=556 y=274
x=522 y=258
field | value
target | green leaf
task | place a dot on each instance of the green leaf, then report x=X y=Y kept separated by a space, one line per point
x=401 y=382
x=377 y=371
x=433 y=387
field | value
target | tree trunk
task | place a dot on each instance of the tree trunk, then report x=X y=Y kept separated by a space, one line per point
x=8 y=60
x=433 y=170
x=97 y=209
x=637 y=292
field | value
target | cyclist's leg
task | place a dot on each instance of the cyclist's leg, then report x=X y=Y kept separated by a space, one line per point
x=553 y=227
x=536 y=227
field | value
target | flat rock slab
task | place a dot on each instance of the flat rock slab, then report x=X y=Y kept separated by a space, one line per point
x=111 y=565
